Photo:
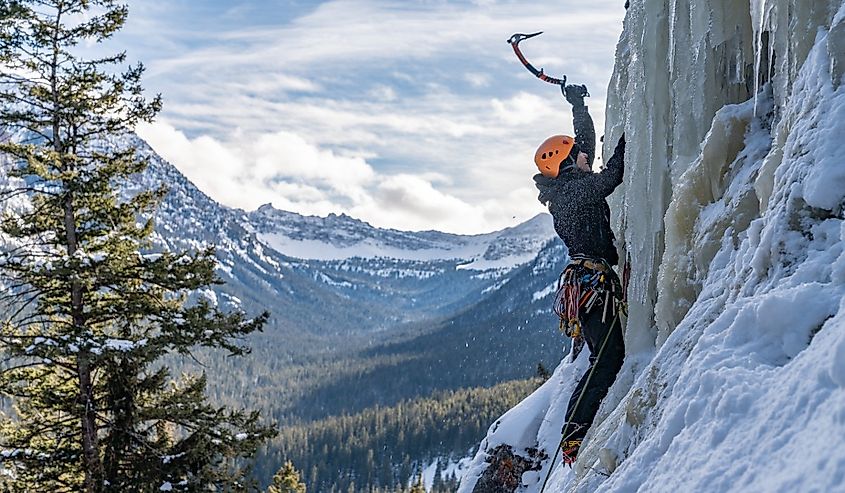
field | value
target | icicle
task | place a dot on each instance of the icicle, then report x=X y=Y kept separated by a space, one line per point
x=770 y=69
x=673 y=12
x=758 y=49
x=735 y=74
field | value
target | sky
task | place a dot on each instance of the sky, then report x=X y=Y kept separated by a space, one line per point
x=412 y=114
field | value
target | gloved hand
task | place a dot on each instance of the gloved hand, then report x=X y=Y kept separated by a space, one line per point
x=575 y=94
x=620 y=146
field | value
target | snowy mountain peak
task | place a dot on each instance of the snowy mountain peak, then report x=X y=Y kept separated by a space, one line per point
x=338 y=237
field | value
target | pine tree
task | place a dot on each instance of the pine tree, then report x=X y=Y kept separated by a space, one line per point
x=287 y=480
x=542 y=373
x=418 y=486
x=89 y=312
x=437 y=484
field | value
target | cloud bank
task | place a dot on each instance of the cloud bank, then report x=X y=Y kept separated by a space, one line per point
x=412 y=115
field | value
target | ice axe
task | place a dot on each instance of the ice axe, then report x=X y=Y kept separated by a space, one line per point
x=514 y=42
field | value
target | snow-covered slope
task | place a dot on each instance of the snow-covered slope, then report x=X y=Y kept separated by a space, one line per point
x=732 y=214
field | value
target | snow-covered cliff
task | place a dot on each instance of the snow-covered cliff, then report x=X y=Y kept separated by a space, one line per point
x=732 y=215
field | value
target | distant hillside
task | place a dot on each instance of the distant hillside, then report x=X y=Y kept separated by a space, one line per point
x=385 y=447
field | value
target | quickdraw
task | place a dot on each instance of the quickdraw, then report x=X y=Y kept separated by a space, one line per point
x=514 y=42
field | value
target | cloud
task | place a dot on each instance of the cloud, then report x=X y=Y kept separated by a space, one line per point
x=413 y=193
x=269 y=84
x=287 y=155
x=383 y=92
x=478 y=80
x=524 y=108
x=284 y=169
x=348 y=32
x=212 y=167
x=359 y=105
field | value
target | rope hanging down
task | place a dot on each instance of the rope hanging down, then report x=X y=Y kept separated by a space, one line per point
x=514 y=42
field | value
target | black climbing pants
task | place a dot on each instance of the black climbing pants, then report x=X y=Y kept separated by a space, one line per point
x=594 y=330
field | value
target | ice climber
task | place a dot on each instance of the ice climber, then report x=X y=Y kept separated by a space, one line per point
x=590 y=293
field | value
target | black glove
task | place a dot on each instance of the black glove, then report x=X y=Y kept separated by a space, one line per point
x=575 y=94
x=620 y=146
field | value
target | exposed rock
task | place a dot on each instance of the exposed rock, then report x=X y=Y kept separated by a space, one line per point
x=504 y=474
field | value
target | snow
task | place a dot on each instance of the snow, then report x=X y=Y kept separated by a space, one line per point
x=167 y=459
x=259 y=251
x=428 y=475
x=456 y=467
x=534 y=423
x=735 y=374
x=209 y=295
x=326 y=279
x=232 y=300
x=320 y=250
x=123 y=345
x=166 y=486
x=449 y=467
x=539 y=295
x=334 y=238
x=38 y=340
x=495 y=287
x=387 y=268
x=225 y=269
x=483 y=264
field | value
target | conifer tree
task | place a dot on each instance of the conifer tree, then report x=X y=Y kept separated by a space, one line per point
x=542 y=373
x=437 y=484
x=287 y=480
x=88 y=310
x=418 y=486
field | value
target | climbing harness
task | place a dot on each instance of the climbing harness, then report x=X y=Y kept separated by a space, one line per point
x=584 y=283
x=514 y=42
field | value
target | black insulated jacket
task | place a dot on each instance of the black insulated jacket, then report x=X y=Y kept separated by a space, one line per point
x=577 y=199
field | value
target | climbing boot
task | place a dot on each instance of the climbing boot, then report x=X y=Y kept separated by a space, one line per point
x=570 y=448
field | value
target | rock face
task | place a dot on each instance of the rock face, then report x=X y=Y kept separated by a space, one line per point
x=733 y=215
x=505 y=469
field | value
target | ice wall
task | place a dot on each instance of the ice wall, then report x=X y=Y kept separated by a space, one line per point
x=733 y=215
x=678 y=63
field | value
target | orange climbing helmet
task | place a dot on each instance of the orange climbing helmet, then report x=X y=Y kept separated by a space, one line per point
x=551 y=153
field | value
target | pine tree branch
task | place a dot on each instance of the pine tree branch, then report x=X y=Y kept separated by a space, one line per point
x=4 y=196
x=13 y=98
x=18 y=80
x=22 y=308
